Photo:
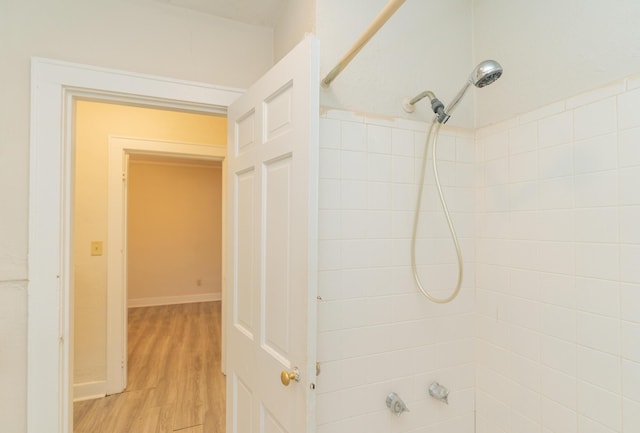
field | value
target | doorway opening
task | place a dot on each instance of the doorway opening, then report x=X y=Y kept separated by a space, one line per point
x=56 y=86
x=161 y=218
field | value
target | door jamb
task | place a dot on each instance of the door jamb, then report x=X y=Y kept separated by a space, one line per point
x=54 y=86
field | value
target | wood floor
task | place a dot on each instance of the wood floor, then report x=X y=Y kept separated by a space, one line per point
x=174 y=378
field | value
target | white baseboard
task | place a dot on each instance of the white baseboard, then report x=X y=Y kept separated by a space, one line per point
x=89 y=390
x=168 y=300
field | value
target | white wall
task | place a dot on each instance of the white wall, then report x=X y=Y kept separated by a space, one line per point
x=13 y=348
x=377 y=334
x=174 y=232
x=558 y=248
x=552 y=50
x=425 y=45
x=140 y=36
x=558 y=282
x=552 y=287
x=297 y=19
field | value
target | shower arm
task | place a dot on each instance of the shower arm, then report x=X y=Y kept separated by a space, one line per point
x=369 y=32
x=436 y=105
x=421 y=96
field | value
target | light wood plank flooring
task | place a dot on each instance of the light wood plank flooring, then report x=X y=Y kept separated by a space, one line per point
x=174 y=378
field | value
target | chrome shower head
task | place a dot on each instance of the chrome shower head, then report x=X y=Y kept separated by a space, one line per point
x=485 y=73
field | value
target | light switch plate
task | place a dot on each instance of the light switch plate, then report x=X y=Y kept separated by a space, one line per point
x=96 y=248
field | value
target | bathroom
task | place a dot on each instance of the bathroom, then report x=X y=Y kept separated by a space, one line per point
x=540 y=173
x=539 y=170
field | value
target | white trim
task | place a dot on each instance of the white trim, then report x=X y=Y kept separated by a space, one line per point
x=89 y=390
x=54 y=85
x=173 y=300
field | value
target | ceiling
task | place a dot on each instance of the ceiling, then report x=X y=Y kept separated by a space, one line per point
x=257 y=12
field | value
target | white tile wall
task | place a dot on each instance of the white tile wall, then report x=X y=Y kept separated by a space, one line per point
x=578 y=324
x=545 y=336
x=377 y=334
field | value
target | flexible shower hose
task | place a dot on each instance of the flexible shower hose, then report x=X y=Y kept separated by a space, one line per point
x=416 y=219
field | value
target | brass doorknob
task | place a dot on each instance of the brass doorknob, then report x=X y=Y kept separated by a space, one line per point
x=287 y=376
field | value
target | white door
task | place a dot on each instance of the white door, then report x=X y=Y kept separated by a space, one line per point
x=272 y=160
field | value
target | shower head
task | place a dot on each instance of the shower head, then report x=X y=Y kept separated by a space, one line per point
x=485 y=73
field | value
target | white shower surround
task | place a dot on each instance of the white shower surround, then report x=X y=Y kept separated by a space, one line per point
x=377 y=333
x=558 y=254
x=545 y=337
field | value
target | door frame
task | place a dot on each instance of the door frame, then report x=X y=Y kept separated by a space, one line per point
x=120 y=148
x=54 y=87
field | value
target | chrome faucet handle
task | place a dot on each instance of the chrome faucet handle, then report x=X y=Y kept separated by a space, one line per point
x=395 y=404
x=439 y=392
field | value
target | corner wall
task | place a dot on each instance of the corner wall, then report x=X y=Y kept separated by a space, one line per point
x=551 y=50
x=425 y=45
x=545 y=336
x=297 y=19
